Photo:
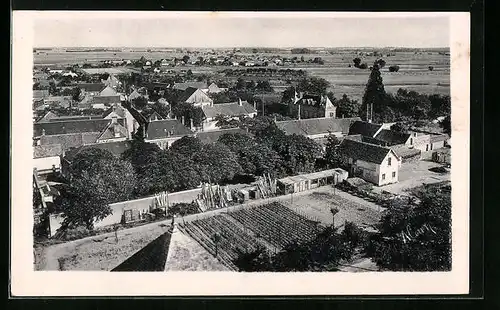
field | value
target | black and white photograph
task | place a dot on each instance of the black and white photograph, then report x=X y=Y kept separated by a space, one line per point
x=246 y=145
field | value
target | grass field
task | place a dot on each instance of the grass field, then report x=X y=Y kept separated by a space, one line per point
x=413 y=74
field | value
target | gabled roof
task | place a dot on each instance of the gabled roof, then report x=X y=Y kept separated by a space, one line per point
x=48 y=150
x=153 y=114
x=364 y=151
x=106 y=99
x=364 y=128
x=135 y=94
x=40 y=94
x=91 y=87
x=193 y=95
x=233 y=109
x=186 y=85
x=392 y=137
x=111 y=129
x=118 y=109
x=162 y=129
x=116 y=148
x=315 y=126
x=208 y=137
x=108 y=91
x=68 y=141
x=47 y=117
x=404 y=151
x=72 y=126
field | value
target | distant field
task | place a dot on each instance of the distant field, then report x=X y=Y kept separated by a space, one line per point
x=413 y=74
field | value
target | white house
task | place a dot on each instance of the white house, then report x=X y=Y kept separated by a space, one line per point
x=373 y=163
x=196 y=97
x=233 y=110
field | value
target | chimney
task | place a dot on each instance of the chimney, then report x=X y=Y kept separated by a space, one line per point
x=240 y=103
x=114 y=119
x=255 y=105
x=299 y=112
x=191 y=123
x=43 y=132
x=275 y=118
x=182 y=120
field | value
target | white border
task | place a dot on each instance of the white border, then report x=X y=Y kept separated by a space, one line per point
x=26 y=282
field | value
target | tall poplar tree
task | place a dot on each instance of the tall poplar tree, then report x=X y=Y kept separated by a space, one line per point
x=374 y=95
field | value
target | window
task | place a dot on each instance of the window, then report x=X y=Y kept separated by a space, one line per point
x=414 y=134
x=393 y=174
x=426 y=147
x=411 y=141
x=431 y=146
x=331 y=114
x=383 y=176
x=389 y=161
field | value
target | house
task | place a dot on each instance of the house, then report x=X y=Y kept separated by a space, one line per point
x=40 y=94
x=140 y=92
x=107 y=91
x=120 y=112
x=186 y=85
x=365 y=129
x=91 y=89
x=154 y=116
x=318 y=129
x=111 y=81
x=311 y=106
x=233 y=110
x=387 y=137
x=46 y=158
x=196 y=97
x=373 y=163
x=70 y=74
x=73 y=133
x=48 y=116
x=106 y=101
x=58 y=101
x=214 y=89
x=426 y=142
x=164 y=132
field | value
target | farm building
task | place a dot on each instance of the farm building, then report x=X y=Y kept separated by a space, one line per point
x=317 y=129
x=371 y=162
x=184 y=86
x=365 y=129
x=233 y=110
x=91 y=89
x=299 y=183
x=46 y=158
x=214 y=89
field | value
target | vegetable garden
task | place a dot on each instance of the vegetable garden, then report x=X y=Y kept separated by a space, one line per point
x=227 y=235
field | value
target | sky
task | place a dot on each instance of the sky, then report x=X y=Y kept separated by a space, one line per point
x=181 y=29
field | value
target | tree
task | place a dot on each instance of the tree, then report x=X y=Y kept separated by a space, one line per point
x=225 y=122
x=185 y=59
x=415 y=236
x=140 y=102
x=217 y=163
x=380 y=63
x=332 y=156
x=85 y=160
x=375 y=95
x=431 y=68
x=171 y=171
x=363 y=66
x=394 y=68
x=187 y=146
x=446 y=125
x=76 y=93
x=298 y=153
x=347 y=107
x=313 y=85
x=402 y=127
x=141 y=154
x=89 y=194
x=357 y=62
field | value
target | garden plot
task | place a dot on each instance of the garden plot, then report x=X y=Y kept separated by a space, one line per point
x=319 y=202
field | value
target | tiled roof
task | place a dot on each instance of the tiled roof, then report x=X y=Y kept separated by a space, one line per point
x=392 y=137
x=106 y=99
x=91 y=87
x=118 y=109
x=314 y=126
x=198 y=93
x=364 y=128
x=67 y=141
x=48 y=116
x=404 y=151
x=72 y=126
x=40 y=94
x=363 y=151
x=207 y=137
x=108 y=91
x=230 y=109
x=186 y=85
x=116 y=148
x=161 y=129
x=49 y=150
x=109 y=132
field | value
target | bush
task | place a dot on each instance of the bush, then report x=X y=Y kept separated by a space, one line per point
x=363 y=66
x=393 y=68
x=431 y=68
x=75 y=233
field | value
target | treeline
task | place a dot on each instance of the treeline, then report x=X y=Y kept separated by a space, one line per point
x=97 y=178
x=272 y=71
